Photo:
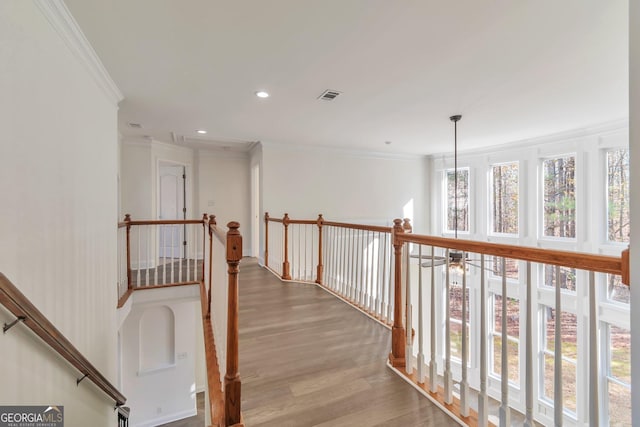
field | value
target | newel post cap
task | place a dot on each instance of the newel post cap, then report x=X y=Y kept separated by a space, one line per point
x=212 y=220
x=127 y=218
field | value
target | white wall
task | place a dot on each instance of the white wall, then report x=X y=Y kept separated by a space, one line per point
x=136 y=180
x=342 y=185
x=166 y=394
x=634 y=144
x=225 y=190
x=140 y=159
x=59 y=208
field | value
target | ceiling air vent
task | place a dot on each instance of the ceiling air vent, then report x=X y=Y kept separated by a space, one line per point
x=135 y=125
x=329 y=95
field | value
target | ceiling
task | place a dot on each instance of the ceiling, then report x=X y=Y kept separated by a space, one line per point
x=513 y=69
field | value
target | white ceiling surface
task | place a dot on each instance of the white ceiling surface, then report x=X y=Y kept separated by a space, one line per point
x=513 y=69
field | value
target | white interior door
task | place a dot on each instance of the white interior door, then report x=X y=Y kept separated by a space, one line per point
x=172 y=206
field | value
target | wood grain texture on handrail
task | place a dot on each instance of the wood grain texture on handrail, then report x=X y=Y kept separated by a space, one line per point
x=275 y=220
x=365 y=227
x=167 y=222
x=20 y=306
x=303 y=221
x=579 y=260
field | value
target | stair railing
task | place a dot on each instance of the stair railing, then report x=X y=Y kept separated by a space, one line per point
x=27 y=313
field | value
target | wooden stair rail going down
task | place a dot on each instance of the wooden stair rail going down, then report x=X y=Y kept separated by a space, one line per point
x=18 y=304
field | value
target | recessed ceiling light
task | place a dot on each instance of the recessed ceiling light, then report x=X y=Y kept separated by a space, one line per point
x=202 y=132
x=262 y=94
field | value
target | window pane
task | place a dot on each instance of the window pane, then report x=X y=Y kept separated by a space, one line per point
x=511 y=267
x=504 y=199
x=619 y=405
x=567 y=277
x=559 y=202
x=568 y=324
x=463 y=200
x=514 y=358
x=620 y=354
x=618 y=195
x=616 y=290
x=455 y=307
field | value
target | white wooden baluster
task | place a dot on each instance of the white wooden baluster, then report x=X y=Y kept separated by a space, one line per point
x=180 y=249
x=331 y=257
x=421 y=365
x=164 y=255
x=433 y=368
x=149 y=230
x=387 y=259
x=505 y=411
x=138 y=262
x=338 y=240
x=557 y=356
x=352 y=266
x=464 y=383
x=173 y=244
x=306 y=243
x=448 y=380
x=365 y=283
x=528 y=422
x=358 y=242
x=372 y=307
x=378 y=264
x=594 y=395
x=409 y=320
x=342 y=246
x=383 y=308
x=483 y=403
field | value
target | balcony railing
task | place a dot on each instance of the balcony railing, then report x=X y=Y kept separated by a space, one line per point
x=161 y=253
x=466 y=314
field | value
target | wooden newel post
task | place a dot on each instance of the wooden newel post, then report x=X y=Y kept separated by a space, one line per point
x=320 y=271
x=286 y=275
x=266 y=239
x=398 y=339
x=406 y=226
x=232 y=383
x=127 y=220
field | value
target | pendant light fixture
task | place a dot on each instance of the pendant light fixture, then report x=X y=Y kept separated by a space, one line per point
x=456 y=264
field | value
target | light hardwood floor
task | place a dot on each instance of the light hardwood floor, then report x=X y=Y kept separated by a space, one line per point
x=308 y=359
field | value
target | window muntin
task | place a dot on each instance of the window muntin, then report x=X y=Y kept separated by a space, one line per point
x=559 y=197
x=504 y=198
x=564 y=275
x=618 y=219
x=463 y=200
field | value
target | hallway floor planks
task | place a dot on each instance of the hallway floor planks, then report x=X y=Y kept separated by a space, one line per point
x=309 y=359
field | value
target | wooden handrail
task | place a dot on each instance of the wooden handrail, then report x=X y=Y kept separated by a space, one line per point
x=377 y=228
x=22 y=308
x=167 y=222
x=579 y=260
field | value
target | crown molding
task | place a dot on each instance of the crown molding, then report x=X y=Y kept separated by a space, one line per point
x=364 y=154
x=600 y=130
x=66 y=26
